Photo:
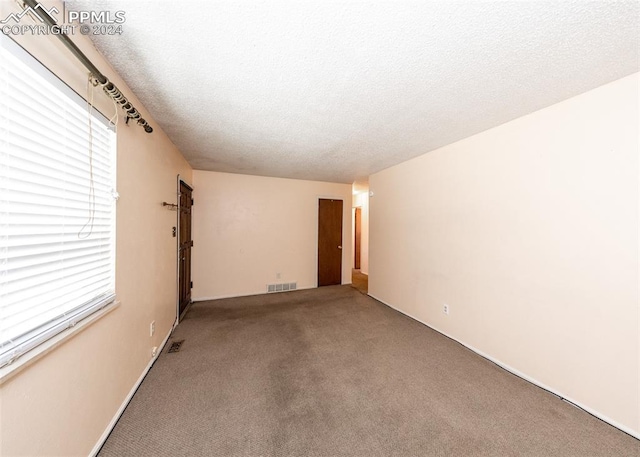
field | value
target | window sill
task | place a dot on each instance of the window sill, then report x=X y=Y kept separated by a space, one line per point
x=8 y=371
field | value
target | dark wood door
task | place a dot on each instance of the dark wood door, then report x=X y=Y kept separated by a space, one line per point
x=329 y=242
x=184 y=250
x=356 y=243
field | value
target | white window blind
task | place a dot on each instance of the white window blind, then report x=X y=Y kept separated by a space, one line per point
x=57 y=207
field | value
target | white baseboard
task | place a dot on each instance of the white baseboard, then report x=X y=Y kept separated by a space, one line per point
x=128 y=398
x=624 y=428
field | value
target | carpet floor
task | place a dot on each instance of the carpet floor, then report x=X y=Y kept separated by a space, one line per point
x=333 y=372
x=360 y=281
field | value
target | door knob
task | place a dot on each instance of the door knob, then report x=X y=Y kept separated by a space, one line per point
x=339 y=247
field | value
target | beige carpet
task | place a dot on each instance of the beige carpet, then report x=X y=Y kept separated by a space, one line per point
x=332 y=372
x=360 y=281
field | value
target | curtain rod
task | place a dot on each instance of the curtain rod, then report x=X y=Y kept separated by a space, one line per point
x=110 y=89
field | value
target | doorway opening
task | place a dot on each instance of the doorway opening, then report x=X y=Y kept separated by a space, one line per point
x=360 y=238
x=357 y=244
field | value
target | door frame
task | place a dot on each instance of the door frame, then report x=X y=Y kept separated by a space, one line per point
x=317 y=233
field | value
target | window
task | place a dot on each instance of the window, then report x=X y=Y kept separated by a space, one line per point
x=57 y=205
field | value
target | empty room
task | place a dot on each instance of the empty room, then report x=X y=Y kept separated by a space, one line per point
x=319 y=228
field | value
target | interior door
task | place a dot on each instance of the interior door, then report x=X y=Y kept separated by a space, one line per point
x=184 y=249
x=329 y=242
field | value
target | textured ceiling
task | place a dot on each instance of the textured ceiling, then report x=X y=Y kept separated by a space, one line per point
x=337 y=91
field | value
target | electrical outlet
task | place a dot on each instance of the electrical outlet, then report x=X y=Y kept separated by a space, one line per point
x=154 y=351
x=445 y=309
x=152 y=328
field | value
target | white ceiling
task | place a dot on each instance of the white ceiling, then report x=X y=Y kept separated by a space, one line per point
x=337 y=91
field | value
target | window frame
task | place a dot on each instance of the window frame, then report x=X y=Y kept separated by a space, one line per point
x=69 y=323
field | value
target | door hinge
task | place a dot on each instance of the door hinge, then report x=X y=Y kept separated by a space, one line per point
x=192 y=201
x=191 y=284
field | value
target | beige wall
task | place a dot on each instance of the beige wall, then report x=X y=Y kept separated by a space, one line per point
x=62 y=403
x=361 y=200
x=529 y=232
x=247 y=229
